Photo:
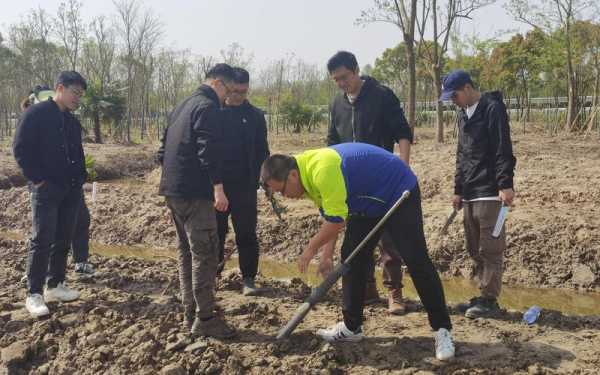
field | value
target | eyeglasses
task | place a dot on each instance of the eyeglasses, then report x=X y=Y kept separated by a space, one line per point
x=77 y=93
x=240 y=92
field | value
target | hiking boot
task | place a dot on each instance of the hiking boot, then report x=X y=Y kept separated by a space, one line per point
x=464 y=306
x=371 y=293
x=60 y=294
x=36 y=306
x=340 y=332
x=396 y=304
x=484 y=307
x=250 y=288
x=444 y=347
x=213 y=327
x=84 y=268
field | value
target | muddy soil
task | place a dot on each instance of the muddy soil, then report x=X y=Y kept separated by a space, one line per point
x=128 y=321
x=553 y=231
x=111 y=161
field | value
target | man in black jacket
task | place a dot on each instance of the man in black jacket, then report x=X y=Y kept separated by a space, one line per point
x=47 y=147
x=483 y=182
x=244 y=134
x=191 y=181
x=366 y=111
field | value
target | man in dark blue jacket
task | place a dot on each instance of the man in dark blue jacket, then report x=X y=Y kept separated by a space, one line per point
x=366 y=111
x=244 y=134
x=191 y=154
x=483 y=182
x=47 y=147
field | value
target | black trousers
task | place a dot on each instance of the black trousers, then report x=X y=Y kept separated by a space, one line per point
x=405 y=227
x=81 y=237
x=54 y=210
x=243 y=211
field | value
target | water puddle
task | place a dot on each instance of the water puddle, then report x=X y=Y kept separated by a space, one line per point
x=456 y=289
x=461 y=290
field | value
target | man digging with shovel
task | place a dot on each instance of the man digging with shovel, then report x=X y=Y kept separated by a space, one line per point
x=354 y=185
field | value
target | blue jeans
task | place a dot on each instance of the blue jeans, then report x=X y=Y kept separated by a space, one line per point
x=54 y=211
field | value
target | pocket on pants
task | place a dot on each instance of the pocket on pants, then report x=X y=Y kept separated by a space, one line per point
x=204 y=243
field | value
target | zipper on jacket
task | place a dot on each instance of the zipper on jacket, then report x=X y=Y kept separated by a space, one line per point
x=353 y=126
x=372 y=198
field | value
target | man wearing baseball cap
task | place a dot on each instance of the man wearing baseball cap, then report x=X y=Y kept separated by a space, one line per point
x=483 y=182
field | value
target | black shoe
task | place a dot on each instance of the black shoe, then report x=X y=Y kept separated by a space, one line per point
x=463 y=307
x=485 y=307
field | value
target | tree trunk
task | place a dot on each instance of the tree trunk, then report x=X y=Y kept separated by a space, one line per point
x=572 y=95
x=412 y=84
x=439 y=118
x=409 y=41
x=97 y=132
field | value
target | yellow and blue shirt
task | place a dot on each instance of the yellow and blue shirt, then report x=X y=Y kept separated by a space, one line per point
x=353 y=179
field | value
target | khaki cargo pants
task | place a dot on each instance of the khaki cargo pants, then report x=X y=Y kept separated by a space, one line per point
x=487 y=252
x=196 y=225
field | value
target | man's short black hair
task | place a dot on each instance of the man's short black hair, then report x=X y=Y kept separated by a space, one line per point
x=277 y=167
x=69 y=78
x=221 y=71
x=342 y=59
x=39 y=88
x=241 y=75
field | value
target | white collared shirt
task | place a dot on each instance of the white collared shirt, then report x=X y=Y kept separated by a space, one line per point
x=471 y=109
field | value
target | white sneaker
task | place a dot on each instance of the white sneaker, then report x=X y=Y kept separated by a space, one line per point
x=444 y=347
x=340 y=332
x=84 y=268
x=36 y=306
x=60 y=294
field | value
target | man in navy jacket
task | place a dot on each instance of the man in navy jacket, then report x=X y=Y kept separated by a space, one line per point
x=47 y=147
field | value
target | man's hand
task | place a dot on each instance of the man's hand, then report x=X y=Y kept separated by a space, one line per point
x=305 y=258
x=221 y=202
x=507 y=196
x=457 y=202
x=325 y=265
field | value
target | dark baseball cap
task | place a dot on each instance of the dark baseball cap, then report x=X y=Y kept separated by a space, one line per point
x=455 y=80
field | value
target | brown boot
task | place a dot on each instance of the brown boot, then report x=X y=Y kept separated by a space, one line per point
x=214 y=327
x=396 y=304
x=371 y=293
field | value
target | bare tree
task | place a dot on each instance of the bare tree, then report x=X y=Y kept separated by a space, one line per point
x=138 y=33
x=403 y=14
x=70 y=30
x=39 y=57
x=548 y=15
x=99 y=53
x=202 y=66
x=235 y=55
x=441 y=16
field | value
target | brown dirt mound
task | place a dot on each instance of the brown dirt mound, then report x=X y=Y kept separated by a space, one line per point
x=111 y=161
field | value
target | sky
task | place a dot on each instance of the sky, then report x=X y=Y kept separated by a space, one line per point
x=312 y=30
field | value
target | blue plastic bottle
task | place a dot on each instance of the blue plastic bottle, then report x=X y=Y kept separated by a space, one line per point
x=532 y=314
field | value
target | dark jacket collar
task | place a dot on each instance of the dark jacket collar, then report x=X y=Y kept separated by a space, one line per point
x=484 y=101
x=368 y=84
x=208 y=91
